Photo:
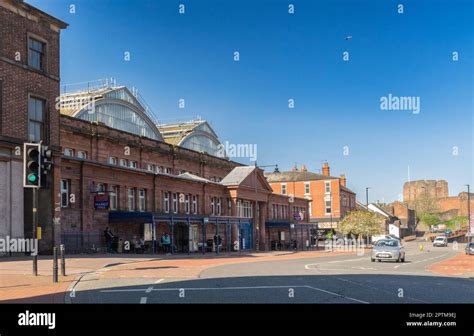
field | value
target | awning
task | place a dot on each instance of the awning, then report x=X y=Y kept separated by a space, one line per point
x=130 y=217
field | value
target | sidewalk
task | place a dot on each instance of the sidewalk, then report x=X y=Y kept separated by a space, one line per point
x=18 y=285
x=461 y=264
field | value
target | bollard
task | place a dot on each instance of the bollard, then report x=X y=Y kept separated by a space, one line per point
x=35 y=265
x=63 y=259
x=55 y=264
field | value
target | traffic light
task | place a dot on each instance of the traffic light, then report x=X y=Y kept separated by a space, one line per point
x=46 y=165
x=31 y=165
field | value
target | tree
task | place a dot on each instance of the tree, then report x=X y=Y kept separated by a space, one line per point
x=362 y=223
x=430 y=219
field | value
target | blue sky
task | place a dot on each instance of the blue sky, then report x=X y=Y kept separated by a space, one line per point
x=297 y=56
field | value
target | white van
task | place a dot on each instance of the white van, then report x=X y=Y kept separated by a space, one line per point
x=440 y=241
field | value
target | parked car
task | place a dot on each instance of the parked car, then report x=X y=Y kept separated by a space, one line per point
x=440 y=241
x=470 y=248
x=448 y=232
x=388 y=249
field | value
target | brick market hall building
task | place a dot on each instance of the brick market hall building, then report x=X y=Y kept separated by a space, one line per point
x=124 y=174
x=116 y=167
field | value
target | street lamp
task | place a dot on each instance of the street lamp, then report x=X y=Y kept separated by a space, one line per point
x=367 y=197
x=469 y=212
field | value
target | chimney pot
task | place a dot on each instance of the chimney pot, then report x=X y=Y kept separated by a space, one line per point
x=343 y=180
x=326 y=169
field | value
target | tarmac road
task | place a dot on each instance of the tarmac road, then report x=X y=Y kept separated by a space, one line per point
x=347 y=278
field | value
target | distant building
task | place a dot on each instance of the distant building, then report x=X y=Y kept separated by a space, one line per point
x=330 y=198
x=400 y=220
x=424 y=188
x=437 y=190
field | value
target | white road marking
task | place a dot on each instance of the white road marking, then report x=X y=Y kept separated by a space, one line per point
x=149 y=289
x=143 y=299
x=336 y=294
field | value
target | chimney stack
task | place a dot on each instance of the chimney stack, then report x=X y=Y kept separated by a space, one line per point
x=343 y=180
x=295 y=168
x=326 y=170
x=303 y=168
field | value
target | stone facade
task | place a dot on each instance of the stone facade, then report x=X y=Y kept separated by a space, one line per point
x=425 y=188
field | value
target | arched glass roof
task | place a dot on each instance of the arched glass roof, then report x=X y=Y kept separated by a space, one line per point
x=119 y=109
x=203 y=143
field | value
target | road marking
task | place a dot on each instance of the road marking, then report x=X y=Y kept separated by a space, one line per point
x=149 y=289
x=159 y=280
x=336 y=294
x=308 y=266
x=144 y=299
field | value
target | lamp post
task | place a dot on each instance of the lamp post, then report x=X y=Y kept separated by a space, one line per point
x=469 y=212
x=367 y=197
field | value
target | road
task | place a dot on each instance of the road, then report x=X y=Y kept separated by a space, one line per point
x=346 y=278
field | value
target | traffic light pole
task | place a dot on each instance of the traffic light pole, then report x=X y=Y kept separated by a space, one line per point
x=35 y=226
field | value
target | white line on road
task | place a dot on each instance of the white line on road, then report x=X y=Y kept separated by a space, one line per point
x=233 y=288
x=149 y=289
x=336 y=294
x=308 y=266
x=143 y=300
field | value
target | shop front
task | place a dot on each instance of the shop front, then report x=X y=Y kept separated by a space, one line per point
x=283 y=235
x=186 y=234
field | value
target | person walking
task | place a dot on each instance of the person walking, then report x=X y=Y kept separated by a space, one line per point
x=166 y=242
x=109 y=238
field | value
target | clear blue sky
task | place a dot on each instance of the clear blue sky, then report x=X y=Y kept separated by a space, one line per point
x=296 y=56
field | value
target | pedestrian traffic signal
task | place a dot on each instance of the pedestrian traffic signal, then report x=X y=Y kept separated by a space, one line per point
x=31 y=165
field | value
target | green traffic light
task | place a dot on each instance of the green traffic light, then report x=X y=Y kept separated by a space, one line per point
x=32 y=178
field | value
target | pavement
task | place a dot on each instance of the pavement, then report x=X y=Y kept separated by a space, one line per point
x=442 y=275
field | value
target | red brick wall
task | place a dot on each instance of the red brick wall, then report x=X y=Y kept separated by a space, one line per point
x=20 y=81
x=317 y=194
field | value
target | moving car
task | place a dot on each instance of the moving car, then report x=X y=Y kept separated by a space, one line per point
x=440 y=241
x=376 y=238
x=470 y=248
x=388 y=249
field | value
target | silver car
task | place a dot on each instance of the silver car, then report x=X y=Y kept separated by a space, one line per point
x=388 y=249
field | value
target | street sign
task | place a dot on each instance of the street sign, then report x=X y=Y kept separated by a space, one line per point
x=101 y=202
